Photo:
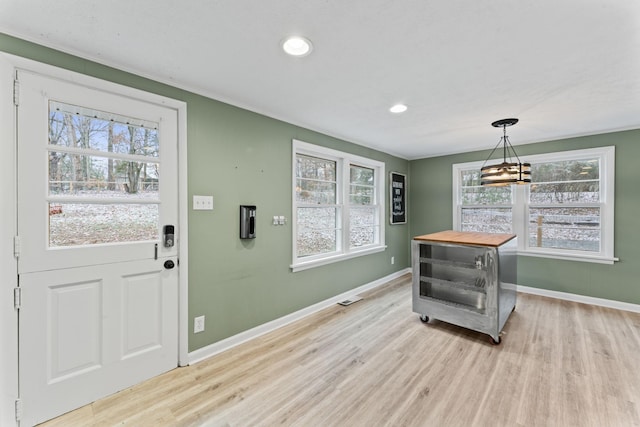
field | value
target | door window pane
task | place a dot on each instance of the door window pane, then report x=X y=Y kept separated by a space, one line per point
x=103 y=170
x=72 y=224
x=71 y=174
x=80 y=127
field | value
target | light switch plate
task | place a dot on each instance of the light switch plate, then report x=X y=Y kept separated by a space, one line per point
x=202 y=203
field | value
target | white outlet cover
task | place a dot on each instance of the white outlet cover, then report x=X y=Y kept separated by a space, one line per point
x=198 y=324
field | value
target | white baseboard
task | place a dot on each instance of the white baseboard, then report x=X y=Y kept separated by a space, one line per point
x=227 y=343
x=619 y=305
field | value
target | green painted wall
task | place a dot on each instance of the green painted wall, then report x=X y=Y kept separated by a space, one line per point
x=431 y=210
x=241 y=157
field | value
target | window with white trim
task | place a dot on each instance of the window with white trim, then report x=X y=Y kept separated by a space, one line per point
x=338 y=205
x=484 y=209
x=566 y=212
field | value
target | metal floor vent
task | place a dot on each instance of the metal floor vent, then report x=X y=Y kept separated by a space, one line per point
x=351 y=300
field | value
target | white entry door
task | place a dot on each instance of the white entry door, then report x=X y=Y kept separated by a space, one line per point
x=97 y=188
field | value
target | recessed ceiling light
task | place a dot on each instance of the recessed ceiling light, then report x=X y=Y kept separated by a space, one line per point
x=297 y=46
x=398 y=108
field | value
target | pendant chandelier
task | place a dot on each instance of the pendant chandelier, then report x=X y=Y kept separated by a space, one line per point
x=507 y=172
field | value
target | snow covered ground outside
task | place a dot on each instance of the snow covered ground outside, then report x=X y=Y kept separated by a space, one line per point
x=72 y=224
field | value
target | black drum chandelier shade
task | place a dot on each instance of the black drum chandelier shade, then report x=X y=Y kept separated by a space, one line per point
x=507 y=172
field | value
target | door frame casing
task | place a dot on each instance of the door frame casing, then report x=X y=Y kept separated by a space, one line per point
x=9 y=390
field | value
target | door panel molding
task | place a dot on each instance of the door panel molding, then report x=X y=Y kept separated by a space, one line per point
x=91 y=366
x=142 y=299
x=74 y=323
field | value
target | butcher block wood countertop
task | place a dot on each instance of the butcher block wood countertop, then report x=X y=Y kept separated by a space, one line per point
x=467 y=238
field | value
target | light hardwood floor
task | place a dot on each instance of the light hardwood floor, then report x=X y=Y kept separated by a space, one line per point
x=375 y=363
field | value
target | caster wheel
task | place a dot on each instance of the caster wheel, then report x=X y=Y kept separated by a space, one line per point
x=494 y=342
x=424 y=319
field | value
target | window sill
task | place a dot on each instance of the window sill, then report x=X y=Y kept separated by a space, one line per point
x=570 y=257
x=305 y=265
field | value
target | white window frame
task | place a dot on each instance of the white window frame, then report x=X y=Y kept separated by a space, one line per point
x=343 y=162
x=521 y=205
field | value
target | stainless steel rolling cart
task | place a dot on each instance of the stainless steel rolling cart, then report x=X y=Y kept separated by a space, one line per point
x=465 y=278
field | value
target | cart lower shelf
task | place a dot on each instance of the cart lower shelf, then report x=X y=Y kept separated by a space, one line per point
x=493 y=339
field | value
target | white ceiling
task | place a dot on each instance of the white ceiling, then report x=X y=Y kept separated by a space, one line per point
x=563 y=67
